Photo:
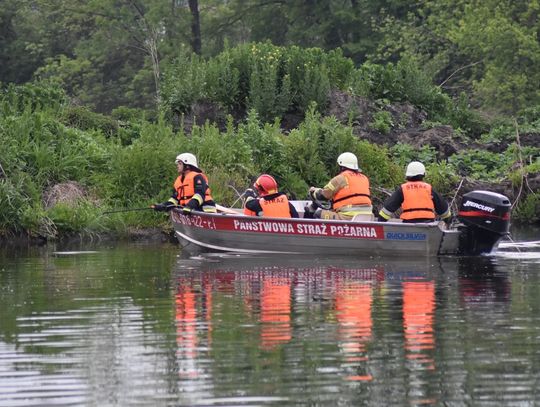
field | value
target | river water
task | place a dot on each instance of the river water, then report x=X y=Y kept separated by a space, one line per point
x=141 y=324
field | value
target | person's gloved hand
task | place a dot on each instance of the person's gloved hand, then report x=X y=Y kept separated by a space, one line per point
x=381 y=219
x=159 y=207
x=186 y=210
x=249 y=193
x=162 y=207
x=193 y=204
x=309 y=210
x=313 y=193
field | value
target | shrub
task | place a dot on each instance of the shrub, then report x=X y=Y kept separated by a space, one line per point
x=271 y=80
x=403 y=154
x=15 y=199
x=269 y=92
x=528 y=209
x=183 y=83
x=382 y=122
x=313 y=88
x=481 y=164
x=83 y=118
x=442 y=177
x=266 y=144
x=377 y=165
x=144 y=170
x=223 y=82
x=15 y=99
x=81 y=217
x=222 y=150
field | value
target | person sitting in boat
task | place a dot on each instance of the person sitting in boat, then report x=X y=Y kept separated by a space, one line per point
x=349 y=192
x=190 y=190
x=267 y=201
x=418 y=200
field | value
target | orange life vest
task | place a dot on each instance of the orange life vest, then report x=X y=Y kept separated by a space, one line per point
x=355 y=193
x=277 y=207
x=185 y=187
x=249 y=212
x=417 y=201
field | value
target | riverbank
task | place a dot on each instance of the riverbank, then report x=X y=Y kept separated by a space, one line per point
x=143 y=235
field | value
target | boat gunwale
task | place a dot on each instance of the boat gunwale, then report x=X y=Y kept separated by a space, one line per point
x=240 y=216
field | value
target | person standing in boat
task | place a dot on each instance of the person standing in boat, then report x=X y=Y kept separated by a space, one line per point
x=190 y=190
x=349 y=192
x=267 y=201
x=419 y=202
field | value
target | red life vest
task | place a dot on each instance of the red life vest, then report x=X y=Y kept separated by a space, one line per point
x=185 y=187
x=355 y=193
x=417 y=201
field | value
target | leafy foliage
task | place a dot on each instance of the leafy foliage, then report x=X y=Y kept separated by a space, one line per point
x=269 y=79
x=405 y=153
x=488 y=49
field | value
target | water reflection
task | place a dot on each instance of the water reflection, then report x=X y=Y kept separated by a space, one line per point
x=275 y=312
x=351 y=312
x=352 y=306
x=481 y=282
x=146 y=327
x=418 y=316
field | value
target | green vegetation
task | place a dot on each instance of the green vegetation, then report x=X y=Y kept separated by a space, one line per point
x=263 y=77
x=124 y=159
x=41 y=148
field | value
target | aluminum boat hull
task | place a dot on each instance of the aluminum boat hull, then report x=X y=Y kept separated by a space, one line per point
x=245 y=234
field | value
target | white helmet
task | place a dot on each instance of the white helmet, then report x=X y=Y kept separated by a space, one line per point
x=348 y=160
x=415 y=168
x=187 y=158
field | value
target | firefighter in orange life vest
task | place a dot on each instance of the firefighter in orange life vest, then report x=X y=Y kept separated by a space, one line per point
x=191 y=190
x=349 y=192
x=417 y=199
x=267 y=201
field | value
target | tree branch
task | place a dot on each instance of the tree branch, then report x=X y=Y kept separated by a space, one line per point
x=458 y=70
x=245 y=10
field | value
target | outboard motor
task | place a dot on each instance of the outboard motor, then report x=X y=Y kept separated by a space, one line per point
x=486 y=216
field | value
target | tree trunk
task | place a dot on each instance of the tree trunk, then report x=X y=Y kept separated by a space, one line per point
x=195 y=26
x=152 y=49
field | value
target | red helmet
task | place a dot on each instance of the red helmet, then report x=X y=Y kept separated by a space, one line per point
x=266 y=184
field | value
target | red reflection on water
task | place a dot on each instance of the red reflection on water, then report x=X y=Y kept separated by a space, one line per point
x=207 y=290
x=275 y=312
x=186 y=327
x=418 y=309
x=353 y=311
x=353 y=308
x=365 y=378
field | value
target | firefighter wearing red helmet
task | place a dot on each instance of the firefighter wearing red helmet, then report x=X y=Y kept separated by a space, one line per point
x=266 y=200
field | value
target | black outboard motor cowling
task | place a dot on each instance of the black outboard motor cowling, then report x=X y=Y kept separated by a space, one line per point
x=486 y=216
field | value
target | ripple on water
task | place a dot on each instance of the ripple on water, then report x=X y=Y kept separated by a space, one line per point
x=523 y=251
